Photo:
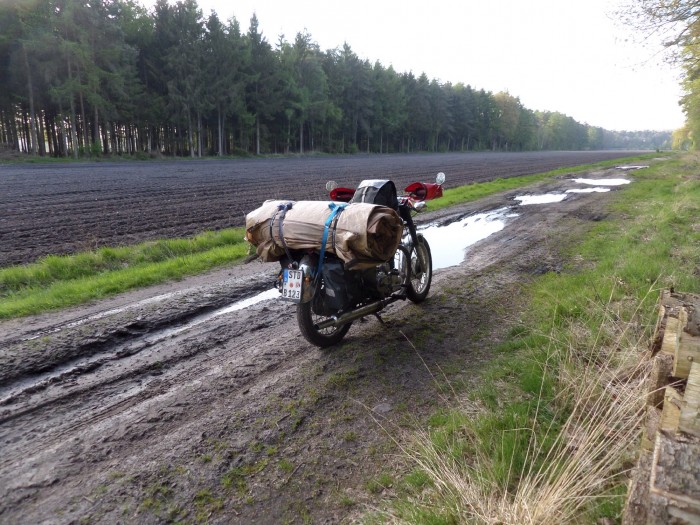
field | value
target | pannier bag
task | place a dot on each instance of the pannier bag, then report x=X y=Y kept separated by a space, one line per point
x=382 y=192
x=340 y=289
x=362 y=235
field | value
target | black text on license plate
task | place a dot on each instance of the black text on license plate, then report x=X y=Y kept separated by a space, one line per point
x=291 y=285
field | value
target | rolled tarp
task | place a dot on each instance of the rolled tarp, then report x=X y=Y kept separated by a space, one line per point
x=362 y=234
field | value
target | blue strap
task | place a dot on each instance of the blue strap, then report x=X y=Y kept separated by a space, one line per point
x=335 y=210
x=283 y=208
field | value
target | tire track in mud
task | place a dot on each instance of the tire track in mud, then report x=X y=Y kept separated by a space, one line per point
x=192 y=359
x=144 y=355
x=140 y=380
x=34 y=351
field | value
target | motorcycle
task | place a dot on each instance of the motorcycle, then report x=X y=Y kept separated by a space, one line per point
x=329 y=296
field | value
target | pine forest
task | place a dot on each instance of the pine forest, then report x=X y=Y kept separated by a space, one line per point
x=109 y=77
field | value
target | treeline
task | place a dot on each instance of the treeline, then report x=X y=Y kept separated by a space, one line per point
x=82 y=77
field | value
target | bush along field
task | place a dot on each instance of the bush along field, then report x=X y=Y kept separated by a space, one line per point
x=552 y=432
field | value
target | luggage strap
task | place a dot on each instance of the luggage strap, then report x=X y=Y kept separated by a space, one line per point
x=282 y=210
x=336 y=210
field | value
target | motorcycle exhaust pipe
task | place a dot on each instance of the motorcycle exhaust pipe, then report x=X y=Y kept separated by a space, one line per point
x=369 y=309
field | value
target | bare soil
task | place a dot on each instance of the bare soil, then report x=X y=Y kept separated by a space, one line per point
x=65 y=208
x=148 y=408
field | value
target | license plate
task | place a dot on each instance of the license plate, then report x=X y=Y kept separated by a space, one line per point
x=291 y=285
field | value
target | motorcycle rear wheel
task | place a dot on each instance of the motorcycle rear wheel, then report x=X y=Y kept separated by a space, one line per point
x=420 y=278
x=308 y=320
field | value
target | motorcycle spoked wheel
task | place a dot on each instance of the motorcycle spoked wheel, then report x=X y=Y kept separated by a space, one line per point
x=308 y=321
x=420 y=278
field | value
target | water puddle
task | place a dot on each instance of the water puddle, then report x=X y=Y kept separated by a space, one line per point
x=448 y=243
x=629 y=168
x=588 y=190
x=602 y=182
x=201 y=319
x=549 y=198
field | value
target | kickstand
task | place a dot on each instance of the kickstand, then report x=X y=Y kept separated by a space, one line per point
x=379 y=318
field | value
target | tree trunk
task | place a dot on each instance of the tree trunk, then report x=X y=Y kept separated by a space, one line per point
x=73 y=131
x=86 y=139
x=25 y=132
x=96 y=133
x=311 y=136
x=301 y=137
x=104 y=136
x=12 y=123
x=64 y=132
x=50 y=134
x=220 y=122
x=34 y=139
x=114 y=138
x=199 y=134
x=257 y=135
x=189 y=132
x=3 y=128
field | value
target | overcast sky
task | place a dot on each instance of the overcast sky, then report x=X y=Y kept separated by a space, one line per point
x=571 y=56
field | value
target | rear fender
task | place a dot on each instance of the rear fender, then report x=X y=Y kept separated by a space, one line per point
x=309 y=265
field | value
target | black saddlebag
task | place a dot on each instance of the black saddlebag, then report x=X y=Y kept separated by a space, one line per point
x=341 y=289
x=382 y=192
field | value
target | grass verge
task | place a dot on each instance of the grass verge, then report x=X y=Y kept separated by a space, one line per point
x=555 y=425
x=59 y=281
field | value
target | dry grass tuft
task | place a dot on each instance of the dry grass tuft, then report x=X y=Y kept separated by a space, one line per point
x=570 y=462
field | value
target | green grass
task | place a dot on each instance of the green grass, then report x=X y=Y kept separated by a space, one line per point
x=543 y=406
x=60 y=281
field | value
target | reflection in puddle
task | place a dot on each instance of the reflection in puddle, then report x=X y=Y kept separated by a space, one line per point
x=273 y=293
x=588 y=190
x=602 y=182
x=239 y=305
x=540 y=199
x=447 y=243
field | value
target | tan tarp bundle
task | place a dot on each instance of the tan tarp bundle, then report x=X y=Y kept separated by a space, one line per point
x=364 y=233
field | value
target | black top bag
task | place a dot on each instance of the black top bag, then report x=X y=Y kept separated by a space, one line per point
x=382 y=192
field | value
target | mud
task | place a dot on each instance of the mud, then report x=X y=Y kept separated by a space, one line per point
x=146 y=408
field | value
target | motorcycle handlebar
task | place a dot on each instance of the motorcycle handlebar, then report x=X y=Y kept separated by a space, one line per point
x=417 y=191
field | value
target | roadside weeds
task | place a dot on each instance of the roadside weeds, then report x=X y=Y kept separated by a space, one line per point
x=552 y=431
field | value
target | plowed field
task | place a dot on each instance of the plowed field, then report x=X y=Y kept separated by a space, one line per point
x=64 y=208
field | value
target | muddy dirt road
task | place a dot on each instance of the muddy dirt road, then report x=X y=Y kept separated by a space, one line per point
x=179 y=403
x=64 y=208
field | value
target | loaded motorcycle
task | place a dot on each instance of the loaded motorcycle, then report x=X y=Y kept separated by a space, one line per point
x=331 y=285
